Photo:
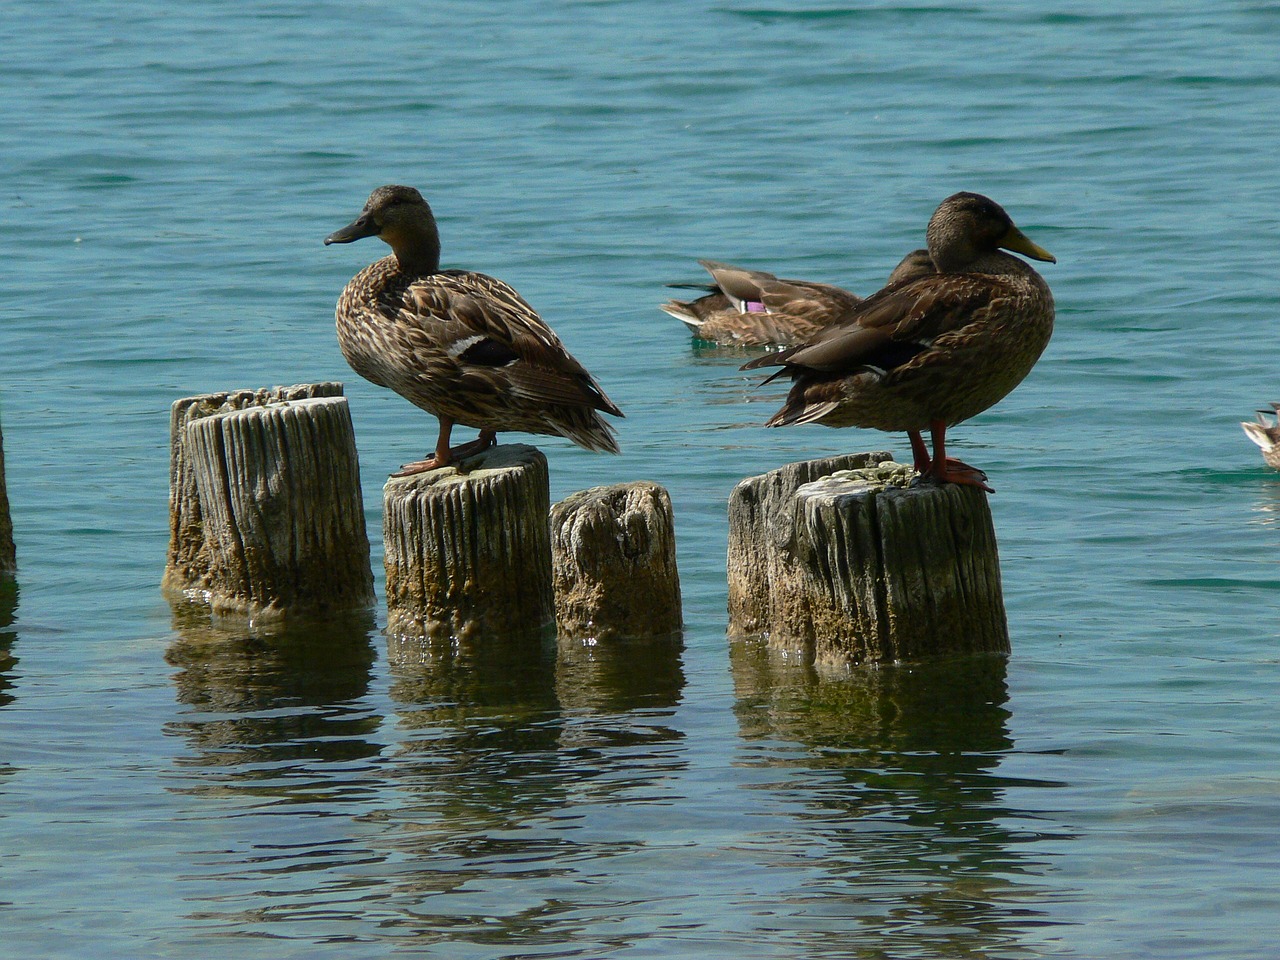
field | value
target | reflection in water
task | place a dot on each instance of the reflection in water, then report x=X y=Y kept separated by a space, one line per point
x=264 y=699
x=8 y=608
x=628 y=674
x=284 y=749
x=896 y=774
x=469 y=825
x=504 y=744
x=1266 y=505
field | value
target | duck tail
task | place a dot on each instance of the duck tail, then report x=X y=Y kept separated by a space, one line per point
x=683 y=311
x=795 y=411
x=589 y=430
x=1260 y=432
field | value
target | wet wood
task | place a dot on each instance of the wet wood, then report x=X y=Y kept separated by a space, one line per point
x=760 y=527
x=467 y=550
x=188 y=560
x=865 y=568
x=266 y=514
x=8 y=555
x=614 y=563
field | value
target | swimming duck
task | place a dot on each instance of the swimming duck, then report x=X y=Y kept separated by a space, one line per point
x=463 y=346
x=1266 y=434
x=933 y=351
x=752 y=308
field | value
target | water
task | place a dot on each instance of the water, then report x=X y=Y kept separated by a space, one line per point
x=170 y=790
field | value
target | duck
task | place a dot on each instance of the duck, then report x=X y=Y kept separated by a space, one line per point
x=752 y=308
x=463 y=346
x=932 y=351
x=1266 y=434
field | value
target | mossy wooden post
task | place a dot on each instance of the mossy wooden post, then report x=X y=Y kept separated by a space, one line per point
x=266 y=515
x=866 y=568
x=760 y=526
x=8 y=557
x=468 y=551
x=614 y=563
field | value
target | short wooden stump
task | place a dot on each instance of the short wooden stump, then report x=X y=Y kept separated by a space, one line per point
x=865 y=566
x=614 y=563
x=468 y=552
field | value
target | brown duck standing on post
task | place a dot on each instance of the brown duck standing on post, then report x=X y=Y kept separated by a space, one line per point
x=934 y=351
x=463 y=346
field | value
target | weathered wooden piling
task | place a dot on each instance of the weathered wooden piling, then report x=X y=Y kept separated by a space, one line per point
x=468 y=551
x=614 y=570
x=266 y=515
x=8 y=555
x=760 y=527
x=862 y=567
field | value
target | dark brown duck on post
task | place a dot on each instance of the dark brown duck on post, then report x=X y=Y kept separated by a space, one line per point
x=933 y=351
x=463 y=346
x=752 y=308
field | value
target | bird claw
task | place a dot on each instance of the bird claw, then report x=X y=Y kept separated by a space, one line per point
x=417 y=467
x=958 y=472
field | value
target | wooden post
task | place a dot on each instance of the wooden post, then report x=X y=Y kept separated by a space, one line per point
x=468 y=553
x=614 y=563
x=760 y=512
x=188 y=562
x=874 y=571
x=277 y=508
x=8 y=556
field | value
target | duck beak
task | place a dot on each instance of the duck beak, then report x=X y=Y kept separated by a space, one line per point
x=363 y=226
x=1019 y=242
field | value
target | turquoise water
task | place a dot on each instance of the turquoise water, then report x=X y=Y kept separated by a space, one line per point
x=1112 y=790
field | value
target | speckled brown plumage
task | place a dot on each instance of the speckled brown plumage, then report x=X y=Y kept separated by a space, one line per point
x=1266 y=434
x=463 y=346
x=932 y=351
x=752 y=308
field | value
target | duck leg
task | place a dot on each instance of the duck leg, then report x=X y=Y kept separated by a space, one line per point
x=487 y=439
x=918 y=452
x=444 y=455
x=944 y=469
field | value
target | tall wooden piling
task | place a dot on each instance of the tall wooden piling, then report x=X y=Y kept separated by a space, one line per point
x=863 y=567
x=614 y=563
x=468 y=550
x=8 y=555
x=266 y=515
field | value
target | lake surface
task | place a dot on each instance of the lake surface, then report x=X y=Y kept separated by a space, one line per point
x=1112 y=789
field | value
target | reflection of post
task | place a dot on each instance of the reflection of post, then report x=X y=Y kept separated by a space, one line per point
x=469 y=553
x=631 y=674
x=8 y=560
x=8 y=605
x=275 y=694
x=905 y=715
x=898 y=771
x=868 y=569
x=614 y=563
x=281 y=522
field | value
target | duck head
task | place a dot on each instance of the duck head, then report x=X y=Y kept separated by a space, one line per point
x=402 y=219
x=968 y=226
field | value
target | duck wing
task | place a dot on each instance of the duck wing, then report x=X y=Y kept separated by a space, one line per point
x=492 y=333
x=895 y=325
